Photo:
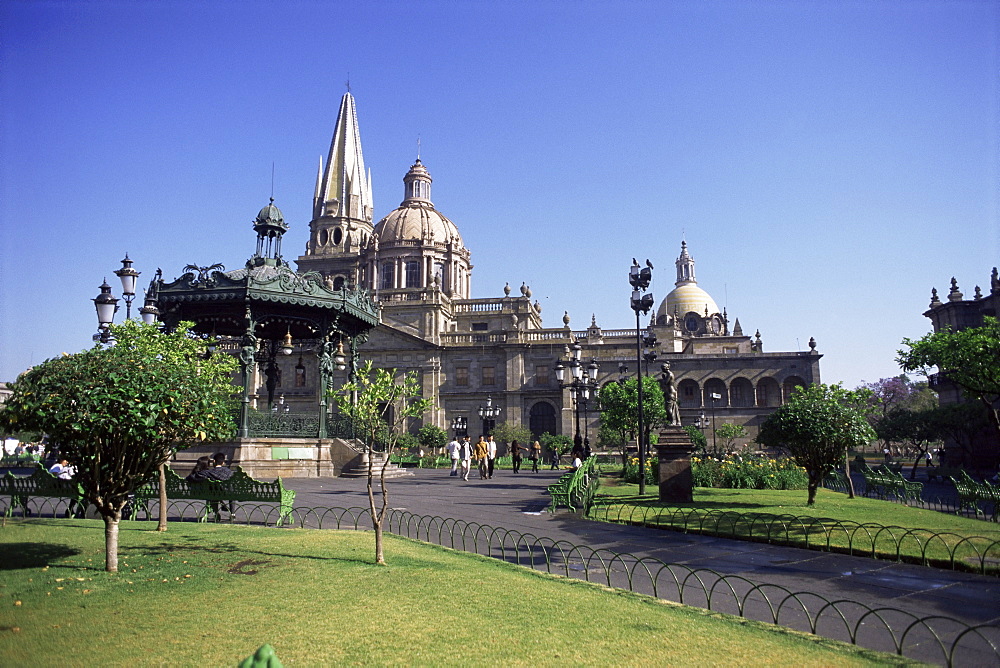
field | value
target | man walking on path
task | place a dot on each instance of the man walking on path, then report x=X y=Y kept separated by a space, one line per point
x=453 y=447
x=481 y=453
x=465 y=456
x=491 y=449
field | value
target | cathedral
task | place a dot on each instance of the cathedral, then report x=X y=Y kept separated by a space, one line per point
x=487 y=360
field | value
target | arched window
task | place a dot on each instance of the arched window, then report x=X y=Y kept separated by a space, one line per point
x=788 y=387
x=716 y=386
x=768 y=393
x=338 y=283
x=741 y=393
x=689 y=395
x=542 y=419
x=413 y=274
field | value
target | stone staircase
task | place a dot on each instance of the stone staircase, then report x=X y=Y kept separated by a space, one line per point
x=358 y=467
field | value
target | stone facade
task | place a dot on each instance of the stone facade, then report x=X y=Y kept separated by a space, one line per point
x=958 y=313
x=467 y=350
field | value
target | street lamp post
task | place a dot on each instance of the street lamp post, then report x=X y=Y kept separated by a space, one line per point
x=460 y=426
x=580 y=386
x=701 y=422
x=106 y=303
x=715 y=397
x=488 y=414
x=639 y=278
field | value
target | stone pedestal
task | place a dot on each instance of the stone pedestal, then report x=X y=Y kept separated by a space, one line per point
x=674 y=450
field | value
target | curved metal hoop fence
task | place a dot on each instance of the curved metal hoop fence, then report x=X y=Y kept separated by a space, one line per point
x=979 y=554
x=934 y=639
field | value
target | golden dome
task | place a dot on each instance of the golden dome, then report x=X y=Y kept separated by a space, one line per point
x=687 y=298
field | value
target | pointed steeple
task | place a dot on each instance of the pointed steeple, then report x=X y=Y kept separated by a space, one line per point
x=344 y=190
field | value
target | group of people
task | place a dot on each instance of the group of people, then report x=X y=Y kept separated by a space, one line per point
x=484 y=452
x=210 y=468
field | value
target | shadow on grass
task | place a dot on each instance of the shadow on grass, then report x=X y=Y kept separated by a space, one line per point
x=654 y=502
x=14 y=556
x=195 y=545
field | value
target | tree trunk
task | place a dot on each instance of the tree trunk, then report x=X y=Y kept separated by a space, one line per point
x=814 y=481
x=111 y=542
x=847 y=473
x=162 y=526
x=379 y=552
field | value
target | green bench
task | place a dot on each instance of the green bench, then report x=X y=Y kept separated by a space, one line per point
x=40 y=484
x=240 y=488
x=972 y=493
x=19 y=461
x=886 y=483
x=576 y=488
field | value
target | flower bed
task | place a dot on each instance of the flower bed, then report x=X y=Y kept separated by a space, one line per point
x=749 y=472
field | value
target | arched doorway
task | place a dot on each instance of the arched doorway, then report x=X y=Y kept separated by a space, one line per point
x=741 y=393
x=789 y=386
x=768 y=393
x=542 y=419
x=688 y=393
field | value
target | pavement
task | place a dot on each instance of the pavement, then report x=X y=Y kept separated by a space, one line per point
x=518 y=502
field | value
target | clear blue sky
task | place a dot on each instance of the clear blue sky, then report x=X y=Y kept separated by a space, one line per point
x=827 y=162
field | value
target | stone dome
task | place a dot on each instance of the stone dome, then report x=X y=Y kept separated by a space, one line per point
x=270 y=215
x=416 y=218
x=686 y=298
x=417 y=221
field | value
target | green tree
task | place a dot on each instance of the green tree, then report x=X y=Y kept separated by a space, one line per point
x=432 y=438
x=117 y=414
x=817 y=426
x=620 y=409
x=505 y=432
x=915 y=428
x=730 y=433
x=560 y=443
x=380 y=407
x=969 y=358
x=698 y=438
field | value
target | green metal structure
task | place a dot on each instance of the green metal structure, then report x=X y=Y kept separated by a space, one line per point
x=257 y=311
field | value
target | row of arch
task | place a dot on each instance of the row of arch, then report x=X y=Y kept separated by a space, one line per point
x=740 y=393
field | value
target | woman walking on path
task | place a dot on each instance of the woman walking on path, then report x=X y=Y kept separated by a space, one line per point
x=515 y=455
x=535 y=455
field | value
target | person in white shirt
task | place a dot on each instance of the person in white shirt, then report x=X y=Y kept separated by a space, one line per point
x=453 y=448
x=62 y=470
x=491 y=458
x=465 y=457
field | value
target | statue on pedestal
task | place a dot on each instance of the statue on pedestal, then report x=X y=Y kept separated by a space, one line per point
x=670 y=400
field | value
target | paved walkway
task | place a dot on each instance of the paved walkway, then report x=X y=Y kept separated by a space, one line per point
x=518 y=503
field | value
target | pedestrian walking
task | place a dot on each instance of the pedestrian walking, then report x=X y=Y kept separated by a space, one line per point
x=535 y=455
x=556 y=456
x=491 y=453
x=515 y=455
x=453 y=448
x=465 y=457
x=481 y=453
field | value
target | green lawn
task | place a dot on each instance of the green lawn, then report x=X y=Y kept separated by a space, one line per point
x=211 y=594
x=937 y=537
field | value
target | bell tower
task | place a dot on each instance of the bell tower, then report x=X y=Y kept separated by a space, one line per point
x=342 y=205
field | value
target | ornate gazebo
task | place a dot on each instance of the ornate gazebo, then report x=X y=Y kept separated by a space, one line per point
x=260 y=312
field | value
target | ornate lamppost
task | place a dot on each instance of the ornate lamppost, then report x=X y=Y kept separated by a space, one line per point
x=488 y=415
x=106 y=303
x=580 y=386
x=639 y=278
x=460 y=426
x=715 y=397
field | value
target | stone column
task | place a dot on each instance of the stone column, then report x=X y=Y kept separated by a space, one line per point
x=674 y=450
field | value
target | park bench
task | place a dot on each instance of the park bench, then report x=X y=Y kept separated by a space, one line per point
x=40 y=483
x=22 y=460
x=576 y=488
x=885 y=483
x=240 y=488
x=972 y=493
x=943 y=472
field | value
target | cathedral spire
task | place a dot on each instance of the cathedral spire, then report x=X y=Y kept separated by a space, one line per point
x=344 y=190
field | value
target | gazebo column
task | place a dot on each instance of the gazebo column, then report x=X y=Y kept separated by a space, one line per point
x=248 y=360
x=326 y=365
